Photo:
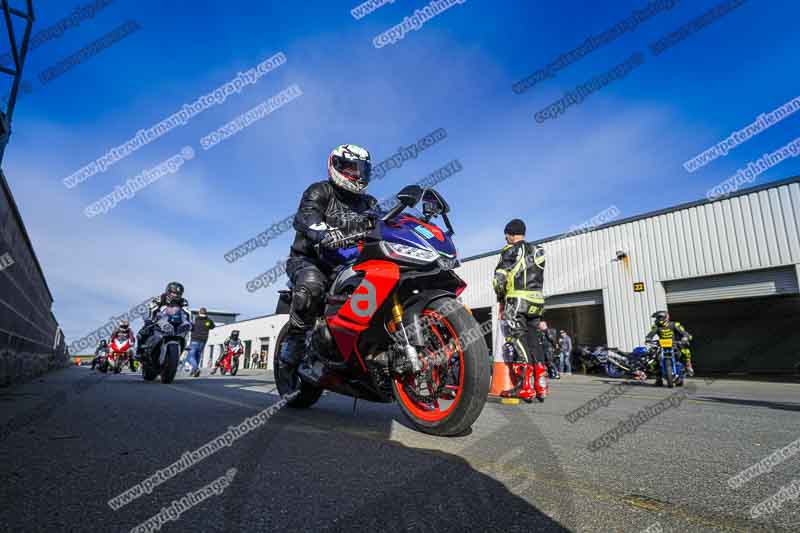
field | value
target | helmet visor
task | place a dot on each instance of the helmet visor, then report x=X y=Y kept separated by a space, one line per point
x=355 y=170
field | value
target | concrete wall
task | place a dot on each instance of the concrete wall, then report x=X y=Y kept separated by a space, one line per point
x=30 y=339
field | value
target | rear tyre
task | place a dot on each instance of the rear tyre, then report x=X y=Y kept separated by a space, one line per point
x=170 y=363
x=449 y=323
x=309 y=394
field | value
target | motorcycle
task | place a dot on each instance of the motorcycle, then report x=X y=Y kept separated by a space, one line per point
x=617 y=363
x=101 y=362
x=230 y=363
x=393 y=329
x=673 y=371
x=120 y=353
x=164 y=347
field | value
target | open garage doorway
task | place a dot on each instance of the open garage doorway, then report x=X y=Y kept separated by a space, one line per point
x=750 y=335
x=745 y=323
x=482 y=315
x=582 y=316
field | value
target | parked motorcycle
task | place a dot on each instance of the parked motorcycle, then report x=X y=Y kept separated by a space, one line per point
x=166 y=344
x=230 y=363
x=617 y=363
x=393 y=328
x=120 y=353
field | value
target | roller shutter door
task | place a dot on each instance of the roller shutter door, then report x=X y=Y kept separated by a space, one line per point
x=577 y=299
x=752 y=284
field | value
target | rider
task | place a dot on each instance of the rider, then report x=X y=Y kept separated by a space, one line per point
x=102 y=348
x=664 y=328
x=231 y=342
x=329 y=212
x=124 y=328
x=518 y=281
x=172 y=295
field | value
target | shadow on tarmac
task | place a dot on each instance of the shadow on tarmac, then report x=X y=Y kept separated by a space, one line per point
x=782 y=406
x=296 y=475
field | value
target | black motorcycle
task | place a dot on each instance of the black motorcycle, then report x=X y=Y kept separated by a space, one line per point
x=164 y=347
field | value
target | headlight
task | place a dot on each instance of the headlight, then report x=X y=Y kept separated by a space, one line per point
x=448 y=263
x=420 y=255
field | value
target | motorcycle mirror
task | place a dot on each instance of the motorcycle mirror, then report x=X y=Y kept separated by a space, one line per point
x=410 y=195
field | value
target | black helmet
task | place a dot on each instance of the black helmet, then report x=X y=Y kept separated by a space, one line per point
x=124 y=325
x=103 y=342
x=174 y=291
x=235 y=335
x=661 y=317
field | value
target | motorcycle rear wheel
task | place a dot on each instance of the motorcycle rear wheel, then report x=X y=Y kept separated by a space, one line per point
x=309 y=394
x=449 y=321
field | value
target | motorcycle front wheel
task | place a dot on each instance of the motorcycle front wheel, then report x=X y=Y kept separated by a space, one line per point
x=461 y=377
x=170 y=367
x=234 y=366
x=670 y=376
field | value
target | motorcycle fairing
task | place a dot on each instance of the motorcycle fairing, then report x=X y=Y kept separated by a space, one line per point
x=380 y=278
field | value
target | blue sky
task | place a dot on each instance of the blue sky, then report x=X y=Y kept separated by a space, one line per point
x=623 y=146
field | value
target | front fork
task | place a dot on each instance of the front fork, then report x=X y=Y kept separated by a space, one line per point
x=398 y=332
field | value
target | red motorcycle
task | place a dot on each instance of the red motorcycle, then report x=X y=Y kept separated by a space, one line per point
x=230 y=363
x=119 y=353
x=393 y=328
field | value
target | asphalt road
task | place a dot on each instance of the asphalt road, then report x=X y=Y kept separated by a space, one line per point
x=73 y=440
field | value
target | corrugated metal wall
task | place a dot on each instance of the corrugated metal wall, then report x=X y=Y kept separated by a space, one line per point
x=752 y=231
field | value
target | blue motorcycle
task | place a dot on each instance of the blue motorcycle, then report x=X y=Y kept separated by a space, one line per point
x=673 y=371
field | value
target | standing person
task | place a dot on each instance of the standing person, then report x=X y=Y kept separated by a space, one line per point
x=202 y=326
x=549 y=347
x=518 y=281
x=565 y=353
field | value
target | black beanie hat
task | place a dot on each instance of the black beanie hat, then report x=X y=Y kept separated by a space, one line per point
x=515 y=227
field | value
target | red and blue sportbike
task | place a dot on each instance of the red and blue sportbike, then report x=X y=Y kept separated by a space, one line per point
x=393 y=328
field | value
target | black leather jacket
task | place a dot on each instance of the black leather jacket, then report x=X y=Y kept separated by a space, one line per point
x=325 y=207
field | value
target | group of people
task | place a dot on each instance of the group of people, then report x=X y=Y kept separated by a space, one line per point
x=172 y=295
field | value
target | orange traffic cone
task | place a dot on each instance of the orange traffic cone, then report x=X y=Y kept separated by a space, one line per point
x=503 y=378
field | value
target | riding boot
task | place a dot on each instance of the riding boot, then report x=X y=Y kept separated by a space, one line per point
x=540 y=381
x=291 y=354
x=527 y=392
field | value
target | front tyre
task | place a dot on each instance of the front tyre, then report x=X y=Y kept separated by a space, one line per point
x=455 y=368
x=309 y=394
x=170 y=363
x=234 y=366
x=669 y=374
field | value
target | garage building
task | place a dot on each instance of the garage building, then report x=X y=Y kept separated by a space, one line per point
x=727 y=269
